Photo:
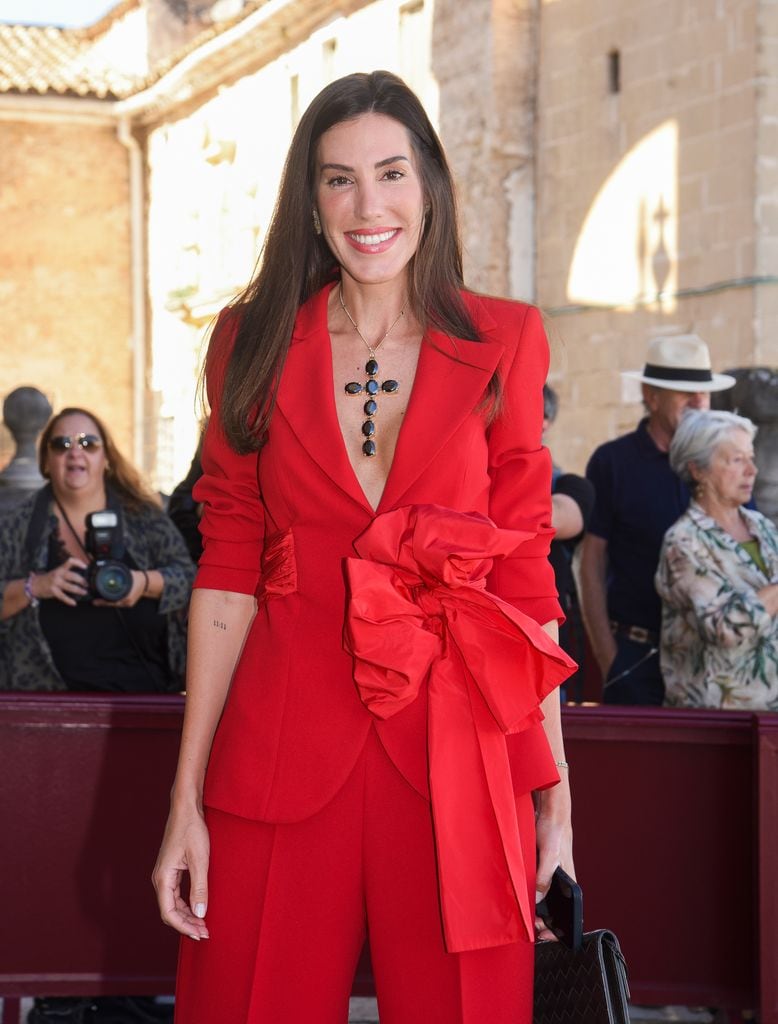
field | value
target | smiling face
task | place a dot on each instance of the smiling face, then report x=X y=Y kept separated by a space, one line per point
x=370 y=197
x=729 y=480
x=75 y=471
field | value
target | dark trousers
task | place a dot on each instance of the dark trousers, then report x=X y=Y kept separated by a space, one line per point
x=634 y=677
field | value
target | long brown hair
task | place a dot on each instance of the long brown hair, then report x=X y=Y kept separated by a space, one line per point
x=120 y=474
x=296 y=262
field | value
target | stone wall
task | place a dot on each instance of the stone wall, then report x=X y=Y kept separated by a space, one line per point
x=766 y=208
x=64 y=269
x=484 y=61
x=646 y=195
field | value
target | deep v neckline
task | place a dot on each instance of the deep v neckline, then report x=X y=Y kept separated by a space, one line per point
x=332 y=408
x=451 y=378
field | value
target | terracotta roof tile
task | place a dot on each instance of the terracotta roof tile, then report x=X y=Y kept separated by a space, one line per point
x=101 y=61
x=44 y=59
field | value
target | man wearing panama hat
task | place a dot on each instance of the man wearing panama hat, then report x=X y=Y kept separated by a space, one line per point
x=638 y=497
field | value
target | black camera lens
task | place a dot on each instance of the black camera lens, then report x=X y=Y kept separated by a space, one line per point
x=111 y=581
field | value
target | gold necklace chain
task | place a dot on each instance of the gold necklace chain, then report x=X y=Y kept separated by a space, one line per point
x=372 y=349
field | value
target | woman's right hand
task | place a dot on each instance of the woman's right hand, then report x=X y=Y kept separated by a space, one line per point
x=62 y=583
x=218 y=621
x=185 y=847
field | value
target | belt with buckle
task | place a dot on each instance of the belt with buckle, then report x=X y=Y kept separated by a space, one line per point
x=638 y=634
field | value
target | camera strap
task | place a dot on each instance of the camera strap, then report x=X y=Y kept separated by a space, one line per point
x=37 y=525
x=72 y=529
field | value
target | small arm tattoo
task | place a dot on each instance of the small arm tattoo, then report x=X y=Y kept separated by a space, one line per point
x=219 y=625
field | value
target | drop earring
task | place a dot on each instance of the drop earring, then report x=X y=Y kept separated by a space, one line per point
x=316 y=221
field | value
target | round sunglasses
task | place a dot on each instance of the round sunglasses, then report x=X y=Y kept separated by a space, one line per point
x=63 y=443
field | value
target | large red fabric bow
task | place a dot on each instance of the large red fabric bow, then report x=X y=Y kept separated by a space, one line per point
x=419 y=609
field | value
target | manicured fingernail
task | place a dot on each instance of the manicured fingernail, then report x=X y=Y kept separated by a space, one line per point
x=199 y=910
x=193 y=936
x=538 y=896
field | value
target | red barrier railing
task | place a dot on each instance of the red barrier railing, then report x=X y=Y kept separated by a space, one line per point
x=676 y=825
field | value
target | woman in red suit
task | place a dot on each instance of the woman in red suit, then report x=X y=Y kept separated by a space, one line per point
x=372 y=685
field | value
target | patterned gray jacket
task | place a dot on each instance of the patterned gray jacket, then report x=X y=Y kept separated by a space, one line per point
x=719 y=643
x=153 y=542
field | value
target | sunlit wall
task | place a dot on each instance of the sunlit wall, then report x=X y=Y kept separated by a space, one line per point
x=647 y=217
x=627 y=248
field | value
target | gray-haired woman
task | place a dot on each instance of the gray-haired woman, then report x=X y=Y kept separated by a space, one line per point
x=718 y=574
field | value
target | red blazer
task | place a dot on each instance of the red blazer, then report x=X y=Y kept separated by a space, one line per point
x=282 y=523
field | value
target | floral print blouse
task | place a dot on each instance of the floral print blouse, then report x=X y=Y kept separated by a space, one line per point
x=719 y=646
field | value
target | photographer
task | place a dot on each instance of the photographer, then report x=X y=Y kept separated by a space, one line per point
x=94 y=584
x=67 y=621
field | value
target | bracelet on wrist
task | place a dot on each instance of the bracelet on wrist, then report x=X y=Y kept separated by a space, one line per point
x=146 y=584
x=34 y=602
x=562 y=764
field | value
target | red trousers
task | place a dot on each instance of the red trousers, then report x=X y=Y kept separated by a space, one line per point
x=290 y=905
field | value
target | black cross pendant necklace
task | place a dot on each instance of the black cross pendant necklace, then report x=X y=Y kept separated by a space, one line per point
x=371 y=388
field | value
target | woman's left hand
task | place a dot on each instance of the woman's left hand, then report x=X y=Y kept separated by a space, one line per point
x=137 y=591
x=555 y=843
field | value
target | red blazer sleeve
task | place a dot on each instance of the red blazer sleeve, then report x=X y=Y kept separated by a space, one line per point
x=232 y=523
x=520 y=470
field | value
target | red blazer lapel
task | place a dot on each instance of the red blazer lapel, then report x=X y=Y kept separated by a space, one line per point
x=451 y=378
x=306 y=396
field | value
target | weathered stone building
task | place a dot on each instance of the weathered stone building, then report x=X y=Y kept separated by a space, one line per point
x=657 y=195
x=617 y=163
x=64 y=253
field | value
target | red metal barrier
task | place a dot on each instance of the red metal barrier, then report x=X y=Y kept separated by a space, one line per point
x=766 y=730
x=666 y=837
x=676 y=820
x=83 y=799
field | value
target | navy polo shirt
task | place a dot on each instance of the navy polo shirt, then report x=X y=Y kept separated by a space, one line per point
x=637 y=498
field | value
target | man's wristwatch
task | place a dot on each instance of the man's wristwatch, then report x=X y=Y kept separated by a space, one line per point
x=34 y=602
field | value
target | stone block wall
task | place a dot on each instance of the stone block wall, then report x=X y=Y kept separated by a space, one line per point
x=484 y=59
x=65 y=269
x=651 y=188
x=766 y=207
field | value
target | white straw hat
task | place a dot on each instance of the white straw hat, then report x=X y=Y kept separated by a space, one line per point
x=680 y=362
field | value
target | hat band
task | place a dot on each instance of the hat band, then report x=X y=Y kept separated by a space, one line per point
x=670 y=373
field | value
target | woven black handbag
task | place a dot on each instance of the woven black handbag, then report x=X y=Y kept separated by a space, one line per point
x=588 y=986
